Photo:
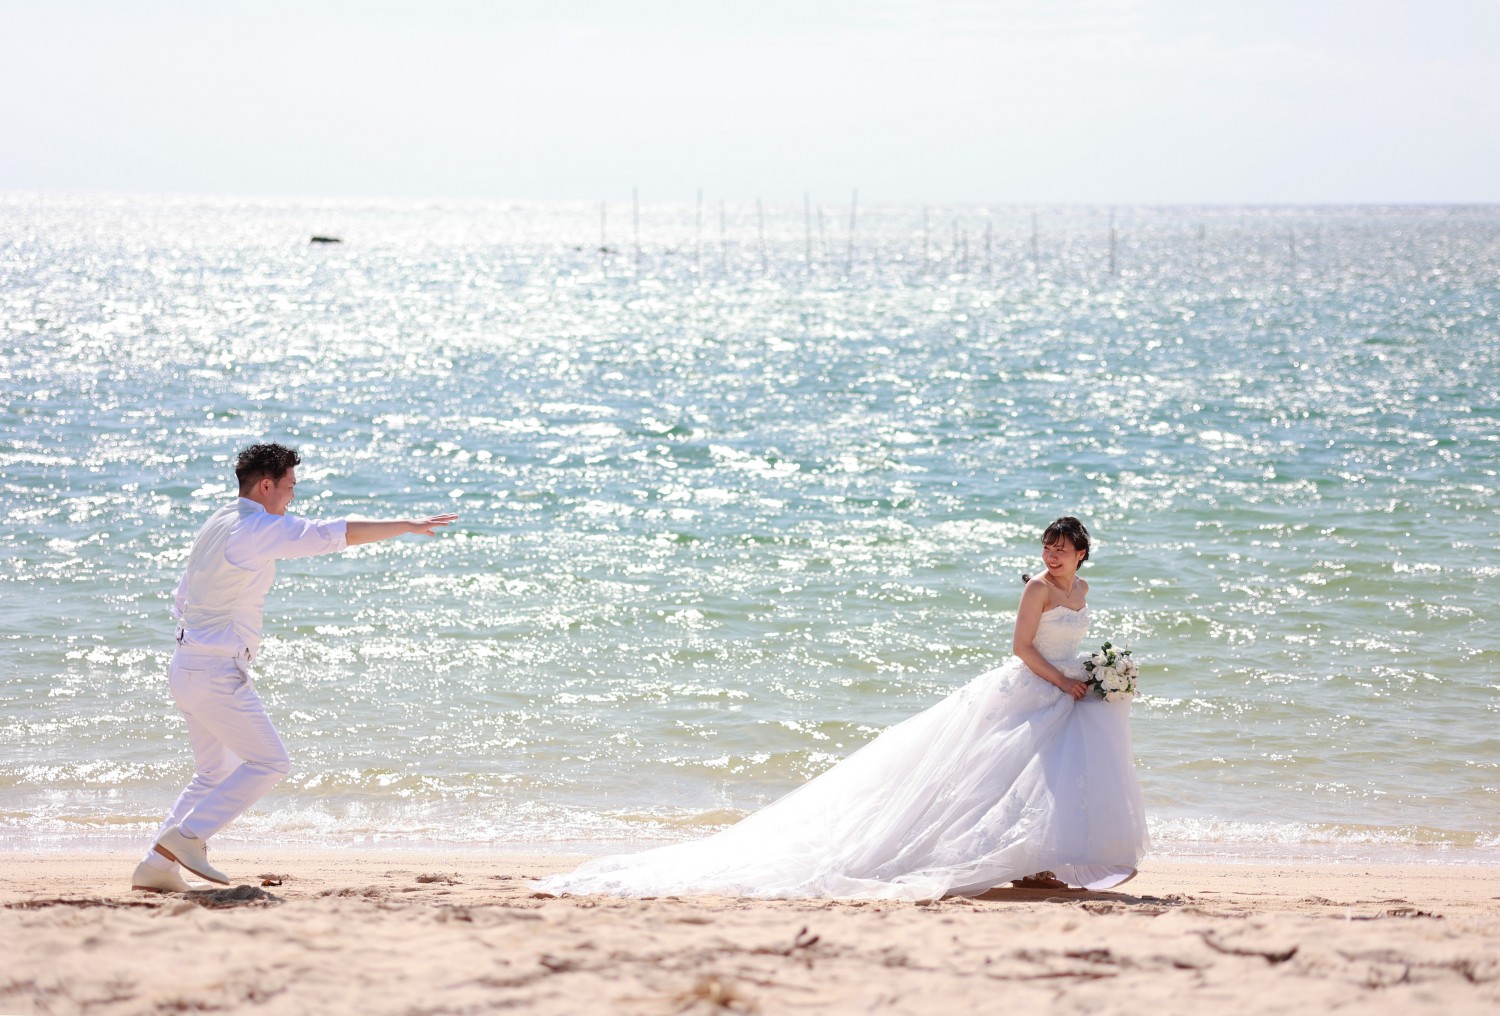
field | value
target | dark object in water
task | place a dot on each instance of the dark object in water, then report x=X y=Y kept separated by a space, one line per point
x=1025 y=577
x=326 y=239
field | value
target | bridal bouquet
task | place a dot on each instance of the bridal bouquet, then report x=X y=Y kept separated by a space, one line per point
x=1112 y=673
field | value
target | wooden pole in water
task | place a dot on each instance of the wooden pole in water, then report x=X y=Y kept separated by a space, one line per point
x=822 y=234
x=603 y=234
x=1111 y=241
x=807 y=224
x=926 y=239
x=760 y=225
x=853 y=214
x=1036 y=247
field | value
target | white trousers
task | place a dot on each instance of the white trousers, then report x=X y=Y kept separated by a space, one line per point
x=237 y=754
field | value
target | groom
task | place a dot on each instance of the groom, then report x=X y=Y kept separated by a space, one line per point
x=237 y=753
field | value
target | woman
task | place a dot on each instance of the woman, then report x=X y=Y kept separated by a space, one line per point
x=1019 y=776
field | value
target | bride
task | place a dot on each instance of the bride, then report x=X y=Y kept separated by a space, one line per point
x=1019 y=776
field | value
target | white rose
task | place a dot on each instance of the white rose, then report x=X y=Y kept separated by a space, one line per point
x=1113 y=681
x=1099 y=660
x=1117 y=696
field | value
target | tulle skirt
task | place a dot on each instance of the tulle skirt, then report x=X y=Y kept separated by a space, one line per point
x=1005 y=777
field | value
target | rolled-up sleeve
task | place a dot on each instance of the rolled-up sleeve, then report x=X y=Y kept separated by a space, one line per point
x=279 y=537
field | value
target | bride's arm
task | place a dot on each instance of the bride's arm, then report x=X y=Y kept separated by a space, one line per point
x=1028 y=619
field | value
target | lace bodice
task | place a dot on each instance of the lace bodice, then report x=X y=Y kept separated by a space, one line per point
x=1060 y=633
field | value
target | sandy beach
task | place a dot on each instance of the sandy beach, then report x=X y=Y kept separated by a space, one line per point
x=367 y=931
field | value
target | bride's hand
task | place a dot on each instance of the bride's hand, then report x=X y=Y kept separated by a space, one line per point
x=1077 y=689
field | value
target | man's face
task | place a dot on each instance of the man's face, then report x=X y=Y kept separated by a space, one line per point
x=281 y=493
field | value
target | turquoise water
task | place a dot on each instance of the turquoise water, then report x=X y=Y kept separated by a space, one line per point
x=728 y=511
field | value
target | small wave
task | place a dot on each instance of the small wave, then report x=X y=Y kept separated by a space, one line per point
x=519 y=825
x=1229 y=839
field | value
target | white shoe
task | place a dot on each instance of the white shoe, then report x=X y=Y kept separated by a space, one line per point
x=149 y=878
x=192 y=854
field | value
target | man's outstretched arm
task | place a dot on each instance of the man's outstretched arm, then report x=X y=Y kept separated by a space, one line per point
x=357 y=532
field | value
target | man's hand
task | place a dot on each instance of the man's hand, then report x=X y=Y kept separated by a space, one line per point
x=358 y=531
x=429 y=526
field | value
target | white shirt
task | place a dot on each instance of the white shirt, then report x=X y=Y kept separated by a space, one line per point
x=220 y=601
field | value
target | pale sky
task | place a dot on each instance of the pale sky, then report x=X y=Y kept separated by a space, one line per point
x=1025 y=101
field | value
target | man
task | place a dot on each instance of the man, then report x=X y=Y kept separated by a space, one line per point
x=237 y=754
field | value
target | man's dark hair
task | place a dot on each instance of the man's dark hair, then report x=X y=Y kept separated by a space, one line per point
x=264 y=462
x=1070 y=529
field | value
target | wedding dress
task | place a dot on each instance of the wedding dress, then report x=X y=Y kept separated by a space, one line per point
x=1005 y=777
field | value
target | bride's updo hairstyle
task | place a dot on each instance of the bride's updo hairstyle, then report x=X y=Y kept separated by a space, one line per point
x=1070 y=529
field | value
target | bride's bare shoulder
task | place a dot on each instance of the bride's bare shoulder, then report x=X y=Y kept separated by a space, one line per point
x=1037 y=586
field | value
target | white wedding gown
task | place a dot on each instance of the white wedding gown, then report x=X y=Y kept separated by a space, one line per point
x=1005 y=777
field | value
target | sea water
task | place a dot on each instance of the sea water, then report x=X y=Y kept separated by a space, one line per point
x=739 y=490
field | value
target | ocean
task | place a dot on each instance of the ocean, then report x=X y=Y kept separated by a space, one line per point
x=741 y=486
